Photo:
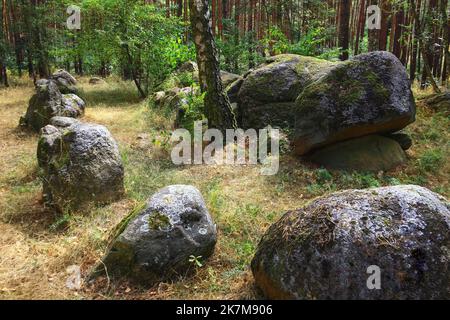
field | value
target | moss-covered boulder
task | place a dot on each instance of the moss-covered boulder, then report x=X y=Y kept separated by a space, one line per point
x=164 y=241
x=45 y=104
x=48 y=102
x=336 y=247
x=368 y=94
x=369 y=153
x=79 y=164
x=267 y=94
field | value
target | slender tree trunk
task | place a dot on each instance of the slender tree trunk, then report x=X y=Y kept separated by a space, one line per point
x=360 y=27
x=251 y=61
x=397 y=46
x=429 y=74
x=133 y=72
x=427 y=45
x=217 y=105
x=179 y=8
x=385 y=17
x=344 y=20
x=213 y=16
x=446 y=39
x=415 y=19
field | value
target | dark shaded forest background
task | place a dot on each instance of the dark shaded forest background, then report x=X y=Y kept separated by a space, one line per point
x=146 y=40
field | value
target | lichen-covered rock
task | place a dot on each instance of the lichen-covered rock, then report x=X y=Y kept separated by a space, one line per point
x=45 y=104
x=96 y=81
x=65 y=81
x=158 y=97
x=158 y=243
x=63 y=122
x=324 y=250
x=188 y=66
x=271 y=89
x=48 y=102
x=369 y=153
x=368 y=94
x=73 y=106
x=80 y=164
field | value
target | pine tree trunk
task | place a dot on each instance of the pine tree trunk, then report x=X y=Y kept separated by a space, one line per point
x=251 y=61
x=446 y=39
x=360 y=26
x=415 y=19
x=179 y=8
x=385 y=16
x=344 y=20
x=217 y=105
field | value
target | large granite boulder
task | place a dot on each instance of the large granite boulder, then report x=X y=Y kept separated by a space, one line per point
x=48 y=102
x=160 y=242
x=65 y=81
x=368 y=94
x=331 y=248
x=267 y=95
x=45 y=104
x=369 y=153
x=80 y=164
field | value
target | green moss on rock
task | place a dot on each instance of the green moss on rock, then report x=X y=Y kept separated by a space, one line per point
x=158 y=221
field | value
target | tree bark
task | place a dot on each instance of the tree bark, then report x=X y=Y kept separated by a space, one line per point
x=360 y=26
x=136 y=80
x=217 y=105
x=446 y=39
x=344 y=20
x=385 y=16
x=415 y=19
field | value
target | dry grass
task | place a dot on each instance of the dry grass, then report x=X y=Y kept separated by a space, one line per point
x=37 y=245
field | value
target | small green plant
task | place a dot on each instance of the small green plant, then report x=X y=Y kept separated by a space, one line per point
x=196 y=261
x=310 y=43
x=245 y=249
x=162 y=140
x=431 y=160
x=323 y=176
x=61 y=223
x=276 y=41
x=186 y=79
x=192 y=111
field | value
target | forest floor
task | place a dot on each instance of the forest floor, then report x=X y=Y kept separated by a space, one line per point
x=37 y=246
